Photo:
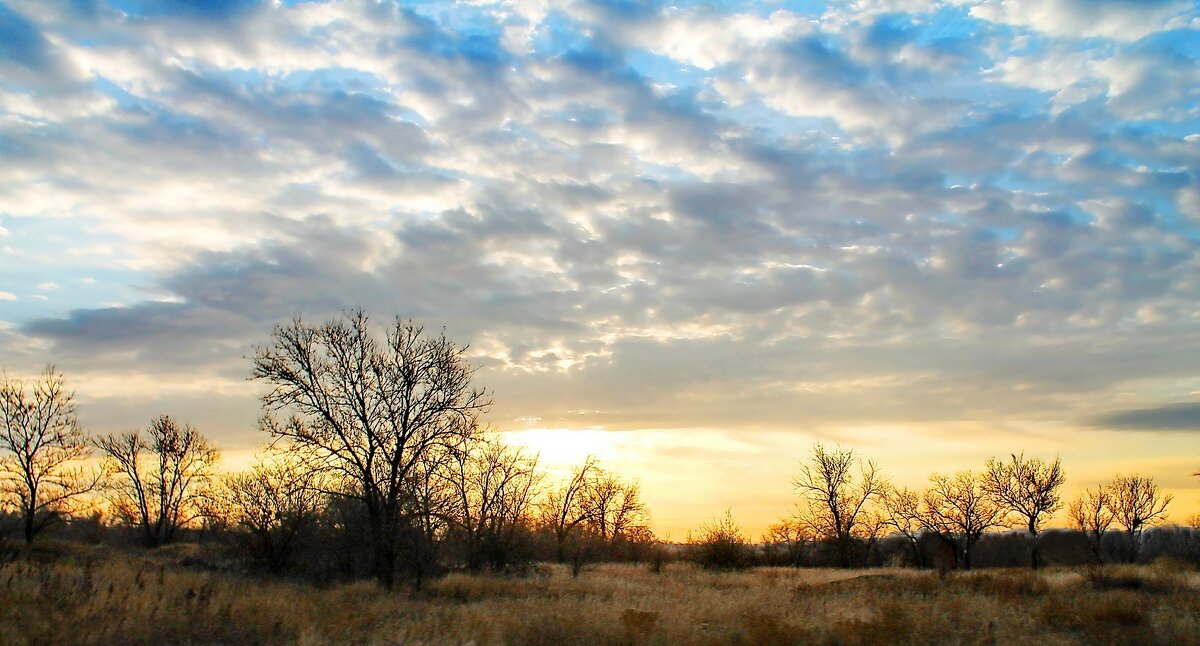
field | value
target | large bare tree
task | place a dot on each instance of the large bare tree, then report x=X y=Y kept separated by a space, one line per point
x=1027 y=487
x=158 y=482
x=835 y=488
x=959 y=510
x=372 y=410
x=42 y=447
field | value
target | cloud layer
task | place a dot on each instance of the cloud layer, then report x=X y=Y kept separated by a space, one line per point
x=640 y=215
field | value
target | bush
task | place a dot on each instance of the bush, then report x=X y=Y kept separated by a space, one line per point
x=721 y=545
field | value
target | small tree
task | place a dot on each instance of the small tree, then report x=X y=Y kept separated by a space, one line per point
x=1092 y=514
x=613 y=508
x=902 y=512
x=958 y=510
x=1027 y=487
x=272 y=506
x=563 y=509
x=721 y=544
x=493 y=488
x=157 y=482
x=785 y=541
x=41 y=449
x=1137 y=502
x=835 y=488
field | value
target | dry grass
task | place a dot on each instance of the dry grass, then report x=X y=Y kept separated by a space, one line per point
x=106 y=598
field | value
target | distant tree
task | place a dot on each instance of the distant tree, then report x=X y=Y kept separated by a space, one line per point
x=835 y=488
x=373 y=412
x=721 y=544
x=563 y=509
x=157 y=482
x=42 y=447
x=958 y=509
x=785 y=542
x=1028 y=488
x=272 y=506
x=613 y=507
x=902 y=511
x=1092 y=514
x=493 y=489
x=1137 y=502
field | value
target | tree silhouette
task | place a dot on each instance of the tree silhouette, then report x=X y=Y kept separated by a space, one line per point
x=371 y=411
x=493 y=488
x=271 y=506
x=41 y=447
x=157 y=482
x=834 y=496
x=1092 y=514
x=1137 y=502
x=1027 y=487
x=957 y=508
x=563 y=509
x=903 y=512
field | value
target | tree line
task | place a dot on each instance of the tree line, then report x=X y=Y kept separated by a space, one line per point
x=379 y=465
x=846 y=507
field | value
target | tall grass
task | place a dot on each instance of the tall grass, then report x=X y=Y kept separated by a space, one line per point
x=108 y=597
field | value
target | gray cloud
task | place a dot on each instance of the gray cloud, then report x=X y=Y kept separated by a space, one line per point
x=1175 y=417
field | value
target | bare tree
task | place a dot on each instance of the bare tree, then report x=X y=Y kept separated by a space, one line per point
x=372 y=411
x=613 y=507
x=785 y=542
x=41 y=449
x=1026 y=487
x=157 y=482
x=958 y=509
x=273 y=505
x=834 y=496
x=902 y=511
x=1137 y=502
x=1092 y=514
x=563 y=509
x=493 y=486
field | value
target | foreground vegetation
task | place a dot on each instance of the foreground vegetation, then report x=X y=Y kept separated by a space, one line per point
x=64 y=593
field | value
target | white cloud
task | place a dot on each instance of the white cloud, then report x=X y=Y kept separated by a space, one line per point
x=7 y=296
x=1113 y=19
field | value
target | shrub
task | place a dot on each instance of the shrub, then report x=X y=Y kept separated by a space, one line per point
x=721 y=545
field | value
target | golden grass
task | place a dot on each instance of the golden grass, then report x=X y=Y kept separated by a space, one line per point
x=107 y=598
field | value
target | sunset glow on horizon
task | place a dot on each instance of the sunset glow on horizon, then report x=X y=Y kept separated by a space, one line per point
x=690 y=239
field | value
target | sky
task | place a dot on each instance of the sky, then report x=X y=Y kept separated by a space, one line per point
x=692 y=239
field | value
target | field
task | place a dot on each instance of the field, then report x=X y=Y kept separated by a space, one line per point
x=110 y=597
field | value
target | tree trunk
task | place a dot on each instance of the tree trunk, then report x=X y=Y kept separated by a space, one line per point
x=30 y=530
x=1035 y=559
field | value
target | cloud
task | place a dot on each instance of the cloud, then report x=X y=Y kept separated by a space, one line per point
x=7 y=296
x=691 y=216
x=1175 y=417
x=1115 y=19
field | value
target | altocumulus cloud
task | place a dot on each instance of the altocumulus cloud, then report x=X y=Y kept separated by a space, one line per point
x=678 y=215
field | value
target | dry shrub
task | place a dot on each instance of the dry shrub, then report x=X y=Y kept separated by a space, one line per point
x=1009 y=584
x=1141 y=579
x=131 y=598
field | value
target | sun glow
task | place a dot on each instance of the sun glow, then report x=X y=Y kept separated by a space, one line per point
x=560 y=450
